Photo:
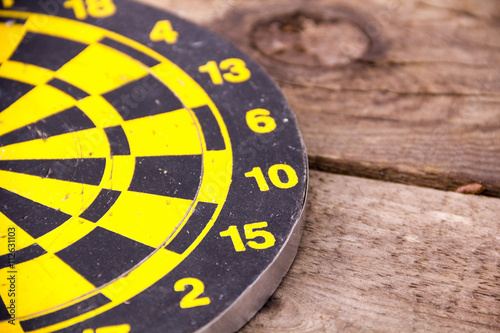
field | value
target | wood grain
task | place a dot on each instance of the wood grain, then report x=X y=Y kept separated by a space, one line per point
x=383 y=257
x=404 y=91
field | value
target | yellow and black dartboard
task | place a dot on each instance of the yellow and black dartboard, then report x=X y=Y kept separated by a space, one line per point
x=152 y=177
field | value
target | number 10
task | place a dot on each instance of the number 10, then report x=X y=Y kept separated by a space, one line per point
x=274 y=177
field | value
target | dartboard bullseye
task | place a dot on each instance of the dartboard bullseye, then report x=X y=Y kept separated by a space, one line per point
x=152 y=177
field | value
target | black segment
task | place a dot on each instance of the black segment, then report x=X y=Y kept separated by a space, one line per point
x=172 y=176
x=67 y=121
x=136 y=54
x=210 y=128
x=11 y=91
x=142 y=98
x=74 y=310
x=4 y=313
x=202 y=214
x=11 y=19
x=118 y=141
x=28 y=253
x=46 y=51
x=83 y=170
x=104 y=201
x=68 y=88
x=103 y=255
x=32 y=217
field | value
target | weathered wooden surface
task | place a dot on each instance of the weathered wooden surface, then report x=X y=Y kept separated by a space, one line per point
x=399 y=91
x=383 y=257
x=405 y=91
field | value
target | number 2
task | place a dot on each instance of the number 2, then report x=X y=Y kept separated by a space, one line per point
x=125 y=328
x=191 y=299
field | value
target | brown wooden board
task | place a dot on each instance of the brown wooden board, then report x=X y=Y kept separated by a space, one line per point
x=382 y=257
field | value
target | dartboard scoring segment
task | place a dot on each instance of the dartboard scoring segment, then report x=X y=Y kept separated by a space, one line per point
x=152 y=177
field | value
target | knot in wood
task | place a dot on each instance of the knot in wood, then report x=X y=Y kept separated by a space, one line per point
x=311 y=40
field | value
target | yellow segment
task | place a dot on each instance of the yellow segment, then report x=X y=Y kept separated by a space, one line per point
x=43 y=283
x=126 y=287
x=216 y=167
x=136 y=46
x=41 y=102
x=68 y=197
x=22 y=239
x=99 y=69
x=118 y=173
x=99 y=111
x=172 y=133
x=10 y=36
x=185 y=88
x=124 y=328
x=68 y=233
x=69 y=29
x=26 y=73
x=91 y=143
x=130 y=285
x=146 y=218
x=12 y=14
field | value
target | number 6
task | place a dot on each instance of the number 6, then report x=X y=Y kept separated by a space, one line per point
x=260 y=121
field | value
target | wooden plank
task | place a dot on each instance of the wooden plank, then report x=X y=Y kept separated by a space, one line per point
x=405 y=91
x=383 y=257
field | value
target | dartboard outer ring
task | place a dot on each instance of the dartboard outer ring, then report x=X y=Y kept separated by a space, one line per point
x=152 y=176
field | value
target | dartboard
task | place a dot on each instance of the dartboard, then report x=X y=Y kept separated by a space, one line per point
x=152 y=176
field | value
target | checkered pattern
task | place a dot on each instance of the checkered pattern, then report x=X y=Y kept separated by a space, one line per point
x=107 y=86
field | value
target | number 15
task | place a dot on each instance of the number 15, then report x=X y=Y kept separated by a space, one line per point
x=250 y=233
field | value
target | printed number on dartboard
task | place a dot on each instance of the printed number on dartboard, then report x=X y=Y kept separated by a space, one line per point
x=192 y=298
x=124 y=328
x=259 y=121
x=94 y=8
x=232 y=70
x=7 y=3
x=251 y=231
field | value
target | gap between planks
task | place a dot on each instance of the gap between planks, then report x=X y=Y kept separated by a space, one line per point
x=384 y=257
